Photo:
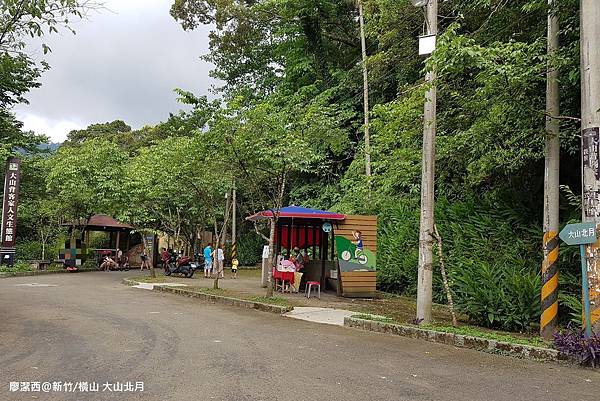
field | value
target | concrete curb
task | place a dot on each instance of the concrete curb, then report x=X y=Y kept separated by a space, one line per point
x=458 y=340
x=41 y=273
x=231 y=301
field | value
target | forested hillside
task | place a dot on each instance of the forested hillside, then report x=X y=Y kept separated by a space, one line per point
x=287 y=128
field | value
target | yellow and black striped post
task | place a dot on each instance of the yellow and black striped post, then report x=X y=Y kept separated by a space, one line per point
x=234 y=250
x=549 y=316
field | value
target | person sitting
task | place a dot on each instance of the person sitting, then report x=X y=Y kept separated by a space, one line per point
x=297 y=259
x=123 y=262
x=108 y=264
x=287 y=266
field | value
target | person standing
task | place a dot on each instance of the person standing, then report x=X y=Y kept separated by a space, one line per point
x=164 y=257
x=220 y=261
x=208 y=252
x=144 y=258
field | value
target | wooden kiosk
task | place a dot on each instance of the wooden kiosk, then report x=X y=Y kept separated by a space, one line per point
x=328 y=239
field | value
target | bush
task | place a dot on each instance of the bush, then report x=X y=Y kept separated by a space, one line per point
x=56 y=267
x=17 y=267
x=506 y=298
x=574 y=343
x=29 y=250
x=492 y=258
x=398 y=248
x=250 y=249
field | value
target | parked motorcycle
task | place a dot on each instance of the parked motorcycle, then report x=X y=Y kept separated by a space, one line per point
x=180 y=264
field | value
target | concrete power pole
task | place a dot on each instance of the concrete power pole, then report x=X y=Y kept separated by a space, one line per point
x=424 y=283
x=366 y=90
x=590 y=142
x=549 y=296
x=234 y=223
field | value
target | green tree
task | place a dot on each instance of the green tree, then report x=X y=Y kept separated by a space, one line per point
x=88 y=179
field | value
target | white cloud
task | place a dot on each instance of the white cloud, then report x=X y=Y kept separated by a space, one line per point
x=56 y=130
x=122 y=64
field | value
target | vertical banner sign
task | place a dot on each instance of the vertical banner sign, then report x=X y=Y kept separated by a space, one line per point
x=149 y=246
x=590 y=155
x=9 y=210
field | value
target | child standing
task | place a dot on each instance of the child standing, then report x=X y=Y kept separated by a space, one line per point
x=234 y=267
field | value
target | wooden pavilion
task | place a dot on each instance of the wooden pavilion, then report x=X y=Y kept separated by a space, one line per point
x=314 y=231
x=120 y=237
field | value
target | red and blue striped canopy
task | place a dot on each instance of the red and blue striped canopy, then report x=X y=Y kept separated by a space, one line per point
x=298 y=212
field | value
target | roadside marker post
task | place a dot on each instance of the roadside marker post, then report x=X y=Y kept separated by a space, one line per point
x=582 y=234
x=586 y=292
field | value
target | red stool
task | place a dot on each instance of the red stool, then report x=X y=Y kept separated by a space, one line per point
x=309 y=285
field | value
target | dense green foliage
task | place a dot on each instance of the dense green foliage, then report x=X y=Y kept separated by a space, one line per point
x=288 y=129
x=250 y=249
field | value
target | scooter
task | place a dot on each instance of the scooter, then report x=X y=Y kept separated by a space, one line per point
x=180 y=264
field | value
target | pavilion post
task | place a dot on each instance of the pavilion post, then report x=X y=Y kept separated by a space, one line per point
x=279 y=233
x=314 y=247
x=306 y=226
x=289 y=237
x=324 y=247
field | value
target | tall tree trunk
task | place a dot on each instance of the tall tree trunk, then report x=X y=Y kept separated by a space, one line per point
x=549 y=296
x=425 y=273
x=366 y=93
x=272 y=257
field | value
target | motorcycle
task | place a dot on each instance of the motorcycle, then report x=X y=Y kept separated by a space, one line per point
x=180 y=264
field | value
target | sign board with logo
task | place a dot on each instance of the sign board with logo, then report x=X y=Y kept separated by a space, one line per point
x=356 y=245
x=9 y=210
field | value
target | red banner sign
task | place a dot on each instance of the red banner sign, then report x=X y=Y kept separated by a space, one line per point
x=9 y=207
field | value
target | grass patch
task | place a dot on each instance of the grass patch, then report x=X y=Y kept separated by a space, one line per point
x=489 y=335
x=274 y=300
x=465 y=331
x=376 y=318
x=211 y=291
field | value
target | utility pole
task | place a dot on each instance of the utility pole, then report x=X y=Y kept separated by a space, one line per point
x=234 y=223
x=226 y=217
x=426 y=232
x=590 y=140
x=366 y=92
x=549 y=296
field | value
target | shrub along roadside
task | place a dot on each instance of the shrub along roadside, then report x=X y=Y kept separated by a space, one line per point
x=573 y=343
x=250 y=249
x=492 y=259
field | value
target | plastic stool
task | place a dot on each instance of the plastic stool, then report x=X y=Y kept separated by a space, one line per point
x=309 y=285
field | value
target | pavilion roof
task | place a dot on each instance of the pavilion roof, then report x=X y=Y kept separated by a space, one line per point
x=299 y=213
x=103 y=222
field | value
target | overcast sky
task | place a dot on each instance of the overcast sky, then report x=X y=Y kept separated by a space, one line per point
x=121 y=64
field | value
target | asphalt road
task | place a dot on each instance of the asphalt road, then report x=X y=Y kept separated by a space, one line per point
x=90 y=328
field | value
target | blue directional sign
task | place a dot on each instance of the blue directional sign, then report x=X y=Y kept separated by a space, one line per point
x=579 y=234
